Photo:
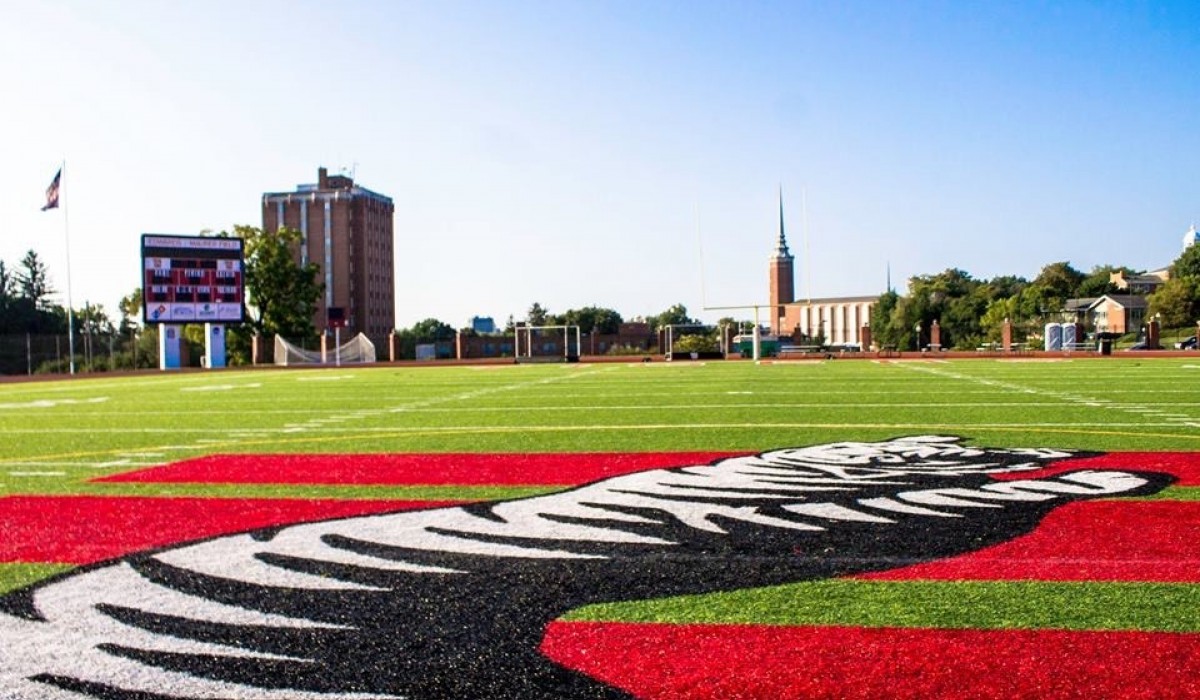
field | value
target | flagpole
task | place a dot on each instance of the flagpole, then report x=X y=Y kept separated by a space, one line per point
x=70 y=305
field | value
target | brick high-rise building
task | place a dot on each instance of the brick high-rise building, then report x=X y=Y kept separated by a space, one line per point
x=347 y=232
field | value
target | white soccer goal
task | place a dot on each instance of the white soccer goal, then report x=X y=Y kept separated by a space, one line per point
x=675 y=331
x=358 y=350
x=549 y=340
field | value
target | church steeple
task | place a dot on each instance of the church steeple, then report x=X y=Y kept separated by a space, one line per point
x=783 y=282
x=781 y=247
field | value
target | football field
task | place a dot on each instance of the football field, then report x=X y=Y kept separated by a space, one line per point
x=952 y=549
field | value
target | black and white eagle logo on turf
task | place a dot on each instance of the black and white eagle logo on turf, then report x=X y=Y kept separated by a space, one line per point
x=452 y=602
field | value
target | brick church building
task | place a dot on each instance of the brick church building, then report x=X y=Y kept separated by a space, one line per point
x=838 y=320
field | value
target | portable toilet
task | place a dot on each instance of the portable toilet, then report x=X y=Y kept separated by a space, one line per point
x=1054 y=336
x=1068 y=336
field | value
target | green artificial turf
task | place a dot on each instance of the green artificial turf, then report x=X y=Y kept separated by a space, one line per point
x=947 y=605
x=56 y=436
x=13 y=576
x=103 y=425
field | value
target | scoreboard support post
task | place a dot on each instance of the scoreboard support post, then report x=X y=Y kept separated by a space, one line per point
x=170 y=342
x=214 y=345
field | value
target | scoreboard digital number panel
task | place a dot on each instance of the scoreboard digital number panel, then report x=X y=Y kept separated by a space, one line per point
x=192 y=279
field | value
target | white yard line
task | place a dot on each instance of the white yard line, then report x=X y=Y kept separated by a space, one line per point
x=334 y=378
x=1142 y=408
x=51 y=403
x=37 y=473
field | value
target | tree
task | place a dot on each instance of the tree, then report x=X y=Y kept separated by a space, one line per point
x=281 y=293
x=1060 y=280
x=130 y=307
x=8 y=287
x=92 y=318
x=697 y=342
x=25 y=304
x=1099 y=281
x=882 y=332
x=33 y=281
x=1188 y=263
x=998 y=311
x=1006 y=286
x=953 y=299
x=593 y=319
x=537 y=316
x=677 y=315
x=94 y=327
x=1176 y=301
x=431 y=330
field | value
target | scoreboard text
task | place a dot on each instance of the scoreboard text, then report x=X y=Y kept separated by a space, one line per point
x=192 y=279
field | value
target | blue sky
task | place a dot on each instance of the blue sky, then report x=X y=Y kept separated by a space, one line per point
x=622 y=154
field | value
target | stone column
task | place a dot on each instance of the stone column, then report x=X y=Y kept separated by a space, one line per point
x=864 y=337
x=1006 y=335
x=393 y=347
x=1152 y=334
x=935 y=336
x=324 y=348
x=256 y=349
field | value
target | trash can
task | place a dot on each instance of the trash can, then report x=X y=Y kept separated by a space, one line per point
x=1105 y=346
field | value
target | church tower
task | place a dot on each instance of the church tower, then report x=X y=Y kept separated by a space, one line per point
x=783 y=282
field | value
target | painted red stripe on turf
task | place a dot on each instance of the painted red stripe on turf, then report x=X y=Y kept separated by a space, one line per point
x=1184 y=465
x=749 y=662
x=551 y=469
x=1153 y=541
x=86 y=529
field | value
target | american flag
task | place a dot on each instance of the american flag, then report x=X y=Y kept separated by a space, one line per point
x=52 y=192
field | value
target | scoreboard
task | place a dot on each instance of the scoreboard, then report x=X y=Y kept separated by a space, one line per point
x=192 y=279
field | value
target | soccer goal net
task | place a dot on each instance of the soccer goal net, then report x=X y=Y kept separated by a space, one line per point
x=547 y=344
x=690 y=340
x=357 y=350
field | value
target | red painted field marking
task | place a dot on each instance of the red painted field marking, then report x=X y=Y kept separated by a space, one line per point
x=751 y=662
x=1153 y=541
x=550 y=469
x=86 y=529
x=1184 y=465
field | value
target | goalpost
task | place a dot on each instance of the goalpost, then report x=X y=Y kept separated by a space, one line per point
x=756 y=344
x=567 y=355
x=357 y=350
x=671 y=334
